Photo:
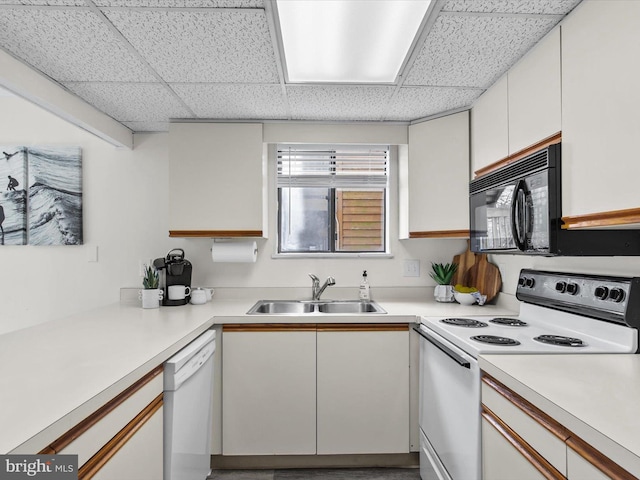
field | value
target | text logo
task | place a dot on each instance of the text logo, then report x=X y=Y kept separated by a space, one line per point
x=49 y=467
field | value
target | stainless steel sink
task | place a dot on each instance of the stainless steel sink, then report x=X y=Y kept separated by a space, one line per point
x=304 y=307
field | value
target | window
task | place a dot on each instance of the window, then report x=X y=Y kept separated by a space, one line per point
x=332 y=199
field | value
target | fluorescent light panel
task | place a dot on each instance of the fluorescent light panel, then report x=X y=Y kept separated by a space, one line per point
x=348 y=41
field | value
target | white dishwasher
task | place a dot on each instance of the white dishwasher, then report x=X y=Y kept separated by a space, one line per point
x=188 y=393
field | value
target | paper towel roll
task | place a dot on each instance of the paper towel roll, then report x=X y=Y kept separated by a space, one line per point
x=239 y=252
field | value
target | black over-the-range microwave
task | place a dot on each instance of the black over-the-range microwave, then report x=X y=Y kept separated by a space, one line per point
x=518 y=209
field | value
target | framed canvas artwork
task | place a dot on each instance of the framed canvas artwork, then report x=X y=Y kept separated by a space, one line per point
x=13 y=199
x=55 y=195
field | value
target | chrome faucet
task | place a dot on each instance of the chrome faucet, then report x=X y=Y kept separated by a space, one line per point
x=316 y=289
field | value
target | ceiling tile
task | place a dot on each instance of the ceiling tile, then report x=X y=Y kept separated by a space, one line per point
x=130 y=102
x=419 y=102
x=181 y=3
x=68 y=44
x=474 y=51
x=345 y=102
x=202 y=46
x=71 y=3
x=554 y=7
x=234 y=101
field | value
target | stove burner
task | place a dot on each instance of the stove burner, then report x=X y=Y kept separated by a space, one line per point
x=495 y=340
x=464 y=322
x=511 y=322
x=560 y=341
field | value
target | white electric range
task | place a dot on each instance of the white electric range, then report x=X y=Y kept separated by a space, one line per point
x=560 y=313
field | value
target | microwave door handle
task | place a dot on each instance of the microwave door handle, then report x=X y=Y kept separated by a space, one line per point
x=517 y=220
x=460 y=360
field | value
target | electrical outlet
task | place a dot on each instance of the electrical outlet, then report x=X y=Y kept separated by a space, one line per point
x=411 y=268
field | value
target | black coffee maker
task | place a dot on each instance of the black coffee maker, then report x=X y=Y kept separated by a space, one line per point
x=174 y=270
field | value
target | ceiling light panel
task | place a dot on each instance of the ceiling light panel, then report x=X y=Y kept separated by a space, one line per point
x=346 y=41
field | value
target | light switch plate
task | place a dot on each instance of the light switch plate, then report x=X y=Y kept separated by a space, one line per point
x=411 y=268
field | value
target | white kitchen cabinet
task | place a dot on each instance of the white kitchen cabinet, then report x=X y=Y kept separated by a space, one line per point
x=122 y=439
x=522 y=441
x=438 y=177
x=490 y=126
x=534 y=94
x=216 y=180
x=268 y=389
x=363 y=389
x=600 y=104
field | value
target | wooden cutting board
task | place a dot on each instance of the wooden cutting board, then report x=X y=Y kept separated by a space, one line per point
x=484 y=276
x=465 y=261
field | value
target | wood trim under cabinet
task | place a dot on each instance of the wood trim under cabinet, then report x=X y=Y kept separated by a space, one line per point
x=215 y=233
x=602 y=219
x=363 y=327
x=268 y=327
x=533 y=457
x=95 y=463
x=528 y=408
x=441 y=234
x=72 y=434
x=598 y=459
x=550 y=140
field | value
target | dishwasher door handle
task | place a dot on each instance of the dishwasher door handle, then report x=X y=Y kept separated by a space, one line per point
x=459 y=359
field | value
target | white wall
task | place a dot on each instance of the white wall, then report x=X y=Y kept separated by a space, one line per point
x=125 y=218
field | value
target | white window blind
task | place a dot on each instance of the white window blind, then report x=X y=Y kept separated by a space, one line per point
x=361 y=166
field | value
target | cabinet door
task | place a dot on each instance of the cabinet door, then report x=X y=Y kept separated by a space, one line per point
x=363 y=389
x=268 y=390
x=438 y=175
x=579 y=469
x=141 y=457
x=215 y=179
x=490 y=126
x=600 y=104
x=535 y=94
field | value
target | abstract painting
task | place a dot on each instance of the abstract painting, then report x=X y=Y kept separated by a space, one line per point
x=13 y=199
x=55 y=195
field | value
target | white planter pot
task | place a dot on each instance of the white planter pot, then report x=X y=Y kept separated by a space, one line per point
x=151 y=297
x=443 y=293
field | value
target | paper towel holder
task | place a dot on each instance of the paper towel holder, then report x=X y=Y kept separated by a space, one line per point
x=222 y=241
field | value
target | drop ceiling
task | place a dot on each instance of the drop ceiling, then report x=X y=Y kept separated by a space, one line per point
x=146 y=62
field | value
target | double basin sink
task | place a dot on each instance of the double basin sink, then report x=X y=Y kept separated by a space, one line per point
x=306 y=307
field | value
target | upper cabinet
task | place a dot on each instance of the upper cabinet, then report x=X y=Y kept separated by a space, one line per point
x=519 y=110
x=490 y=126
x=600 y=122
x=216 y=180
x=438 y=178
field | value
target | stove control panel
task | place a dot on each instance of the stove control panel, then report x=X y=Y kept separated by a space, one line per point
x=606 y=297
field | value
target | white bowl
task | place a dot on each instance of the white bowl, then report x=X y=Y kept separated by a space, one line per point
x=464 y=298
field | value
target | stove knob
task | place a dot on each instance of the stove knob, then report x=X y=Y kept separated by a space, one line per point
x=572 y=288
x=522 y=281
x=616 y=294
x=529 y=282
x=561 y=287
x=601 y=292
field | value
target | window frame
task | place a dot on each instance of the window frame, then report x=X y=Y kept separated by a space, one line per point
x=387 y=190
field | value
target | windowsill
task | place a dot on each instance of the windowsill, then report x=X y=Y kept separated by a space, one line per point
x=332 y=255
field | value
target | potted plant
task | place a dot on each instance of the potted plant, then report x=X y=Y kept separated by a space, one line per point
x=151 y=295
x=442 y=274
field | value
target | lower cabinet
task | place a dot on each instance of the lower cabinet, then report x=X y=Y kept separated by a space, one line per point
x=521 y=441
x=363 y=389
x=268 y=389
x=296 y=389
x=124 y=438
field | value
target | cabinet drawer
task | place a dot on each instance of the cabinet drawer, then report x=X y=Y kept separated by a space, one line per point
x=90 y=436
x=541 y=432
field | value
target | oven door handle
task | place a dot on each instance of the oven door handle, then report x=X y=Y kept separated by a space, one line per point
x=460 y=360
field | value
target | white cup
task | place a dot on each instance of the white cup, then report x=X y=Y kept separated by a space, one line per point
x=178 y=292
x=198 y=296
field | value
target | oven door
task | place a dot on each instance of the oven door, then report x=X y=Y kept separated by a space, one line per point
x=449 y=413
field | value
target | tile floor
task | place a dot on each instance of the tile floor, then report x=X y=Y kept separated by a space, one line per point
x=319 y=474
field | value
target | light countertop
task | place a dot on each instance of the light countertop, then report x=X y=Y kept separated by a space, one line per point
x=595 y=396
x=57 y=373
